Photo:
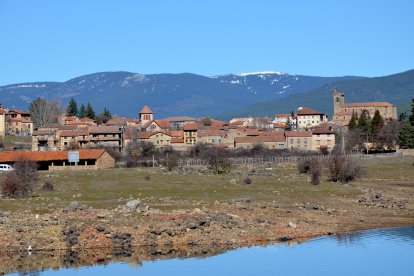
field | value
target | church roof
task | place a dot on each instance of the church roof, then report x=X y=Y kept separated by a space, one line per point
x=376 y=104
x=146 y=110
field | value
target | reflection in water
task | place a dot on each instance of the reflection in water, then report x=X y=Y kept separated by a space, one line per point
x=375 y=252
x=30 y=263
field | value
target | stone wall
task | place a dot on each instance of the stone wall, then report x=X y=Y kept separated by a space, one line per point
x=406 y=152
x=105 y=161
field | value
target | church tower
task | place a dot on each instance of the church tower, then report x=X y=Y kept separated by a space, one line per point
x=339 y=100
x=146 y=115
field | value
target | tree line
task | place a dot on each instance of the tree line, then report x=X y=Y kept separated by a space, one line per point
x=363 y=129
x=44 y=112
x=87 y=112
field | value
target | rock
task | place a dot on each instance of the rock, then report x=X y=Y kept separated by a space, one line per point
x=285 y=239
x=133 y=204
x=73 y=206
x=4 y=214
x=233 y=181
x=292 y=225
x=100 y=229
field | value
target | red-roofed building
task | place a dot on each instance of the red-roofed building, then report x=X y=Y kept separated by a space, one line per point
x=343 y=111
x=15 y=122
x=58 y=160
x=307 y=117
x=146 y=115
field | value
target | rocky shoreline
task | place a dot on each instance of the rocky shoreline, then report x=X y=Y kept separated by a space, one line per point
x=139 y=232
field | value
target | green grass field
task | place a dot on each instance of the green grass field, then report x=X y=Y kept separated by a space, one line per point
x=112 y=187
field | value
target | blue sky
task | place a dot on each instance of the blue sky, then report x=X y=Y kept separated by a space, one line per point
x=48 y=40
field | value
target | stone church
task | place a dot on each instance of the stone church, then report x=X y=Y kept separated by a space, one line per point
x=343 y=111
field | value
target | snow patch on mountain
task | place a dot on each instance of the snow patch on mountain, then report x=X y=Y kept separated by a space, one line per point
x=260 y=73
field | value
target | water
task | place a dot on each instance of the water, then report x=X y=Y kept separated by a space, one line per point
x=375 y=252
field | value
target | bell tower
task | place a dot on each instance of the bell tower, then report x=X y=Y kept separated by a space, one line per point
x=339 y=100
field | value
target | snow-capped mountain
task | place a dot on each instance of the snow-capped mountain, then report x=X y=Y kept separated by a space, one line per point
x=124 y=93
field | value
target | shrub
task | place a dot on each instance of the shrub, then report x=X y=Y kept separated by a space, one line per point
x=147 y=177
x=351 y=170
x=217 y=160
x=247 y=180
x=343 y=169
x=315 y=173
x=26 y=170
x=19 y=183
x=171 y=161
x=304 y=166
x=47 y=186
x=13 y=186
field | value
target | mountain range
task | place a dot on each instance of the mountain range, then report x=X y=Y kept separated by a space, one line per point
x=222 y=96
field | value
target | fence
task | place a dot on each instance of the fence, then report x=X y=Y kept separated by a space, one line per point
x=281 y=159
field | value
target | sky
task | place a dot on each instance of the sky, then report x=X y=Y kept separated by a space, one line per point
x=49 y=40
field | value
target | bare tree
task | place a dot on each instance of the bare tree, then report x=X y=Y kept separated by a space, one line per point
x=43 y=112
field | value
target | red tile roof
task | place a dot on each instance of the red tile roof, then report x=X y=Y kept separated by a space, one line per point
x=298 y=134
x=272 y=134
x=322 y=131
x=192 y=126
x=117 y=121
x=43 y=132
x=175 y=133
x=10 y=156
x=104 y=129
x=210 y=132
x=146 y=110
x=259 y=139
x=19 y=120
x=367 y=104
x=177 y=140
x=86 y=120
x=308 y=111
x=73 y=133
x=283 y=116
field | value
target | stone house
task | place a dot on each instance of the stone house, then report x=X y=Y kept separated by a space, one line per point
x=269 y=142
x=158 y=139
x=2 y=121
x=106 y=136
x=300 y=140
x=190 y=134
x=323 y=139
x=211 y=136
x=307 y=118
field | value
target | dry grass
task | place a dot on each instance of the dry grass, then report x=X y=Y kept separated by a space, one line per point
x=112 y=187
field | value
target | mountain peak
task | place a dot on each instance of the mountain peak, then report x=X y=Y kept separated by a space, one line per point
x=261 y=73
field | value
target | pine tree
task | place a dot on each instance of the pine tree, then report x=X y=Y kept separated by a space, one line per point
x=72 y=108
x=82 y=111
x=353 y=121
x=89 y=112
x=106 y=113
x=406 y=137
x=411 y=118
x=377 y=123
x=364 y=123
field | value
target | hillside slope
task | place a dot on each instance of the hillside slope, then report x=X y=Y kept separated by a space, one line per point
x=397 y=89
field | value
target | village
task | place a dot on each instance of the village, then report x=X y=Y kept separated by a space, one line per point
x=305 y=130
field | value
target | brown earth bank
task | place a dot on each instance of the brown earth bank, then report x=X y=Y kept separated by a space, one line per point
x=165 y=227
x=136 y=232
